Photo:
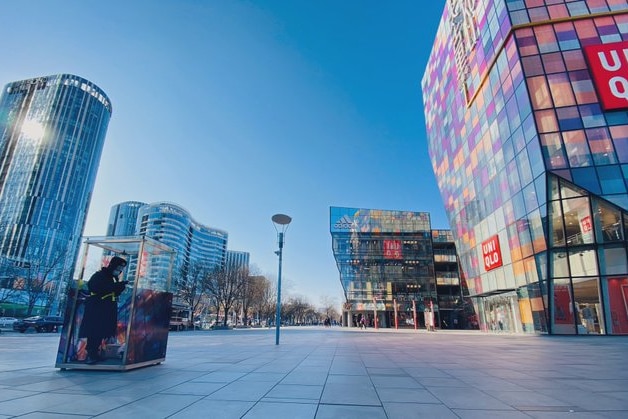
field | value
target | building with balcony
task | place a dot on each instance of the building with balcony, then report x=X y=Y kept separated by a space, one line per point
x=197 y=246
x=527 y=121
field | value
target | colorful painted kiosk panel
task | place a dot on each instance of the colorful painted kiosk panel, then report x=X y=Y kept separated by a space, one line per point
x=143 y=308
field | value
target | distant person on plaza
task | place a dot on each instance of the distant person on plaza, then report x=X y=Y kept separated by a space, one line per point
x=429 y=320
x=100 y=320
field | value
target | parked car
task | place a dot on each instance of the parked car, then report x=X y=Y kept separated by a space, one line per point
x=39 y=324
x=7 y=321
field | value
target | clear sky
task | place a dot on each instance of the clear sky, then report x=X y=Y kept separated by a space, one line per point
x=238 y=110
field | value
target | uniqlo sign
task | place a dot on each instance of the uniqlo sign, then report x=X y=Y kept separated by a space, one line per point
x=392 y=249
x=609 y=66
x=585 y=224
x=491 y=253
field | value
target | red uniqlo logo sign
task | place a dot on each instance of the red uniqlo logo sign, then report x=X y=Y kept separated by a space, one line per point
x=392 y=249
x=491 y=253
x=609 y=66
x=585 y=224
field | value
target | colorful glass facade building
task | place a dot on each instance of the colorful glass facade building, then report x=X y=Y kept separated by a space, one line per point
x=527 y=120
x=394 y=269
x=52 y=131
x=194 y=243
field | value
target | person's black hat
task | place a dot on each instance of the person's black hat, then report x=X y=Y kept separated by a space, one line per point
x=116 y=261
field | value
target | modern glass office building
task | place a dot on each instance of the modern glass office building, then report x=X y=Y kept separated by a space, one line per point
x=52 y=131
x=123 y=218
x=394 y=269
x=527 y=123
x=172 y=225
x=237 y=260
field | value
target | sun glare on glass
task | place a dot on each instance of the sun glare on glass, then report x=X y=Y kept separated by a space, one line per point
x=32 y=129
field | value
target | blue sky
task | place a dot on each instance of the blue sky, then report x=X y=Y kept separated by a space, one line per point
x=237 y=110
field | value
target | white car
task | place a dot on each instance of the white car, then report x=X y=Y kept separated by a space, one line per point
x=7 y=321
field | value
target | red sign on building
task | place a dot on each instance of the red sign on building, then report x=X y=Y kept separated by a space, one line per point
x=392 y=249
x=491 y=253
x=585 y=224
x=609 y=66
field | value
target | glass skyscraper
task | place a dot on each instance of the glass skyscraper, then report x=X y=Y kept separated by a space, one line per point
x=172 y=225
x=394 y=268
x=237 y=260
x=52 y=131
x=123 y=218
x=527 y=120
x=197 y=246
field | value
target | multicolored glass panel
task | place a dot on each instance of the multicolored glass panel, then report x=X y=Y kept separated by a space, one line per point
x=529 y=107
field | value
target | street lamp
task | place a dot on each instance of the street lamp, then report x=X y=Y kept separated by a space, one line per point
x=281 y=222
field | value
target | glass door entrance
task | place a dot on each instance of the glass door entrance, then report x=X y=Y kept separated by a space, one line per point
x=501 y=313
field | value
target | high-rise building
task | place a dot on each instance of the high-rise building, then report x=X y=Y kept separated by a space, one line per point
x=123 y=218
x=395 y=270
x=195 y=243
x=52 y=131
x=237 y=260
x=527 y=120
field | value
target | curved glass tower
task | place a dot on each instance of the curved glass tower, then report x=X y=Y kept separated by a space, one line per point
x=175 y=227
x=52 y=131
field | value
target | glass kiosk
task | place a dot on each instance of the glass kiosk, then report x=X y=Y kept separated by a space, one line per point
x=143 y=308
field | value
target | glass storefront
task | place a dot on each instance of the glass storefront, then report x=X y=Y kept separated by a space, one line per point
x=588 y=244
x=500 y=313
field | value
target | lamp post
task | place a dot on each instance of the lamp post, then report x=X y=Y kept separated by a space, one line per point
x=281 y=222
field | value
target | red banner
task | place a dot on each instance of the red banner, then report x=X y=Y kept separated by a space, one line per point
x=392 y=249
x=608 y=64
x=491 y=253
x=585 y=224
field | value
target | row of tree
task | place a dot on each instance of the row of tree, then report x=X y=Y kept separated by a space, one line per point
x=33 y=284
x=202 y=290
x=253 y=297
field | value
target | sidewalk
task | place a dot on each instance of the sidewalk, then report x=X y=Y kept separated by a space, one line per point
x=328 y=373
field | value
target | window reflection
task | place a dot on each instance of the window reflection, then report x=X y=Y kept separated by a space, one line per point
x=563 y=315
x=556 y=225
x=607 y=219
x=582 y=262
x=613 y=261
x=559 y=264
x=588 y=308
x=578 y=222
x=616 y=293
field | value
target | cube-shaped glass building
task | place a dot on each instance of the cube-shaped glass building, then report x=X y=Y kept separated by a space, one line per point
x=396 y=271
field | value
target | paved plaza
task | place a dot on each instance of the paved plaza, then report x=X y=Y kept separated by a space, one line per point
x=328 y=373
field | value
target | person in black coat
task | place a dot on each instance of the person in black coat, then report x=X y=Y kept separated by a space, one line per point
x=100 y=319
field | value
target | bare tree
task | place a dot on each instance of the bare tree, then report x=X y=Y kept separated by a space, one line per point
x=252 y=294
x=295 y=309
x=8 y=275
x=38 y=279
x=264 y=298
x=190 y=287
x=225 y=288
x=329 y=305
